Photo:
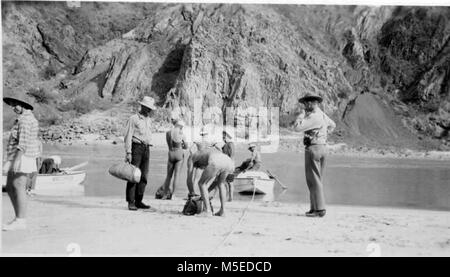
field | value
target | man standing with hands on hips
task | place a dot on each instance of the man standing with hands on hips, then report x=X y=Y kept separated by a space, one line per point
x=316 y=125
x=138 y=136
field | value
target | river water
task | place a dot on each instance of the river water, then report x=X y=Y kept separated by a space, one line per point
x=387 y=182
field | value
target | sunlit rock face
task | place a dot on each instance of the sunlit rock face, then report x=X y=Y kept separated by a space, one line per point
x=242 y=56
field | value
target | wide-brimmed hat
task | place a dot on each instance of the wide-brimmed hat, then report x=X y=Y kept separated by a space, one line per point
x=148 y=102
x=310 y=97
x=251 y=145
x=56 y=159
x=180 y=122
x=18 y=100
x=227 y=134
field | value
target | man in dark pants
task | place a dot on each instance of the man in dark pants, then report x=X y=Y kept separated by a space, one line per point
x=316 y=125
x=138 y=136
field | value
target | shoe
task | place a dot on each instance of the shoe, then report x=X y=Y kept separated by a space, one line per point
x=310 y=213
x=141 y=205
x=17 y=224
x=321 y=213
x=132 y=206
x=316 y=213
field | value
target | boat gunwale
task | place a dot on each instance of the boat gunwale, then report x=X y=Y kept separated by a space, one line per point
x=70 y=173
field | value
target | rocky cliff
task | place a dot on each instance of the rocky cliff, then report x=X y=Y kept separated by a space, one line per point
x=383 y=71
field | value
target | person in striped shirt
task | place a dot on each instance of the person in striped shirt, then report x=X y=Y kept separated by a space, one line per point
x=23 y=149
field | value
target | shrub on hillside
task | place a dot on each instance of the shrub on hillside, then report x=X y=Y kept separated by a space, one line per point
x=49 y=72
x=41 y=96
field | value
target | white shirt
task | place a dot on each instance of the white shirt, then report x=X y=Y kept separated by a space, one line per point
x=317 y=125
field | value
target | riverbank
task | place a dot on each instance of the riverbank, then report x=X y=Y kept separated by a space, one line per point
x=287 y=143
x=103 y=226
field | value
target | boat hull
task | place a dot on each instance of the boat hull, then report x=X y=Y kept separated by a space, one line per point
x=61 y=184
x=257 y=181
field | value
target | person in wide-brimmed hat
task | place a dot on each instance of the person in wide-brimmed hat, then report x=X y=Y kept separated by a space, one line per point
x=177 y=143
x=13 y=102
x=316 y=125
x=23 y=150
x=310 y=97
x=253 y=163
x=138 y=137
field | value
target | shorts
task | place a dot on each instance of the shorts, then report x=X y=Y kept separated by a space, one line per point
x=176 y=155
x=27 y=165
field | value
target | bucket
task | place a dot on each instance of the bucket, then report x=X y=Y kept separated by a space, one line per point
x=126 y=171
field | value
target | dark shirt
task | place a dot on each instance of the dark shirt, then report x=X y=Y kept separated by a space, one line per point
x=228 y=149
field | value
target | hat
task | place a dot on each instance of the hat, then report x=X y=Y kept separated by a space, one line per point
x=251 y=145
x=56 y=159
x=149 y=102
x=227 y=134
x=310 y=97
x=180 y=122
x=13 y=101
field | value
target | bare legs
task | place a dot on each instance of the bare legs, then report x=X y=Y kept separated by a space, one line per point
x=173 y=172
x=176 y=173
x=16 y=186
x=211 y=179
x=170 y=170
x=206 y=179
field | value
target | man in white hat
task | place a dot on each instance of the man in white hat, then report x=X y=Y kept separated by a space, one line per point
x=316 y=125
x=138 y=137
x=253 y=163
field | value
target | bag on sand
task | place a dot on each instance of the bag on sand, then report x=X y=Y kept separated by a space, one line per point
x=194 y=206
x=161 y=195
x=126 y=171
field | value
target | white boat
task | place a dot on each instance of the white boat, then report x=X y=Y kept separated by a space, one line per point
x=66 y=183
x=258 y=181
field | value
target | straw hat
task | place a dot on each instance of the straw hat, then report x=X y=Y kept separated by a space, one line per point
x=227 y=134
x=18 y=100
x=56 y=159
x=252 y=145
x=148 y=102
x=310 y=97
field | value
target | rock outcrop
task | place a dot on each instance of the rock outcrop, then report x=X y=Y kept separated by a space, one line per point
x=393 y=61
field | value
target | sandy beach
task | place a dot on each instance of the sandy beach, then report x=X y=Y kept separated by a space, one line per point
x=92 y=226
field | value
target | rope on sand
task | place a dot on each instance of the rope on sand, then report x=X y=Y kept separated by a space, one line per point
x=235 y=225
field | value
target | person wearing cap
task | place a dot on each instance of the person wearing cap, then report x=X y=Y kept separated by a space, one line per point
x=253 y=163
x=138 y=137
x=227 y=149
x=176 y=142
x=316 y=125
x=21 y=153
x=213 y=167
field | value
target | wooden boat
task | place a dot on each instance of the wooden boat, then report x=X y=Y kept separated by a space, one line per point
x=258 y=181
x=66 y=183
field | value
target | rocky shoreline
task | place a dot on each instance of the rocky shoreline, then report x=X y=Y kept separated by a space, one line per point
x=80 y=136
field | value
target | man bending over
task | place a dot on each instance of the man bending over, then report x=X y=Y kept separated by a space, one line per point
x=216 y=167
